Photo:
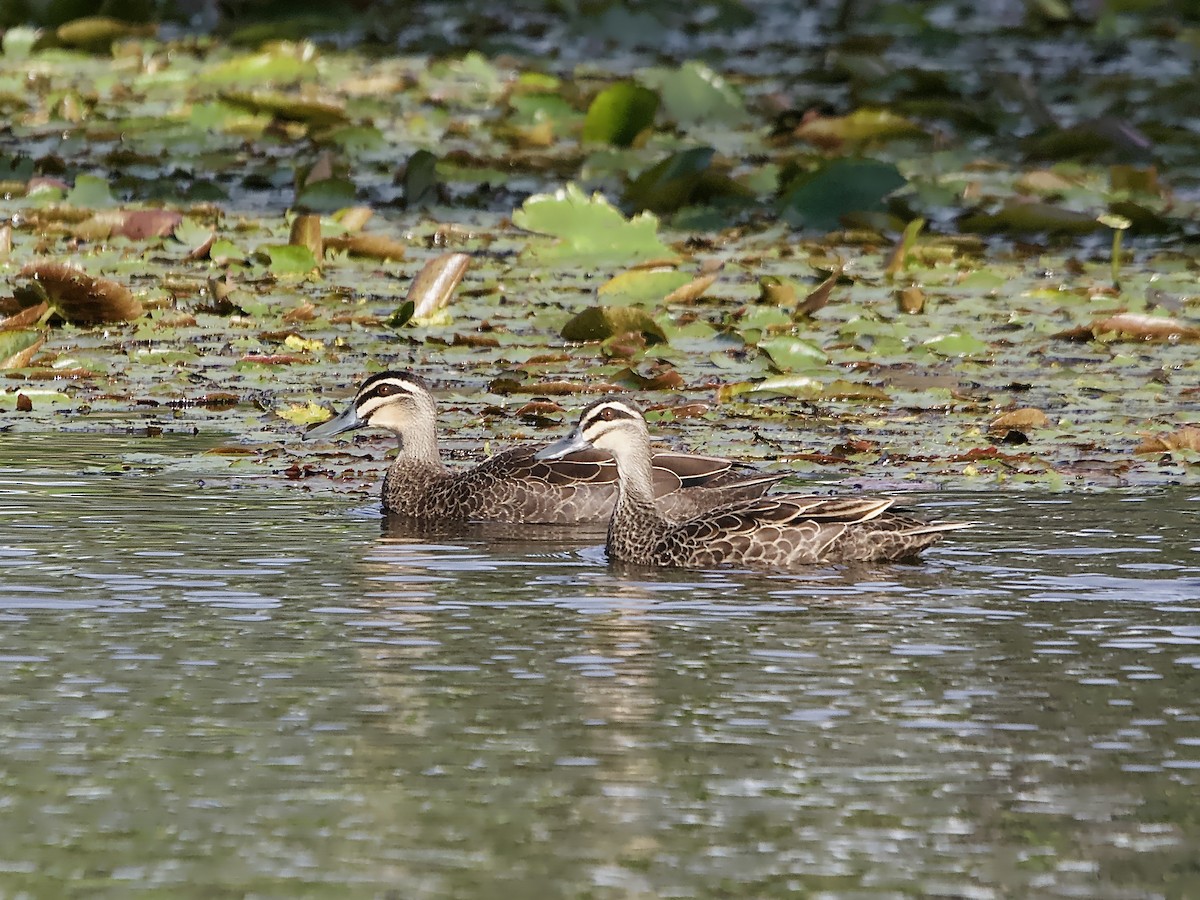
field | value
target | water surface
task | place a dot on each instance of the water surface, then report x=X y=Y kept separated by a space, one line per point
x=214 y=687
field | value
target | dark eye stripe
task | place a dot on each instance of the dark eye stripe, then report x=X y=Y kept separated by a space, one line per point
x=389 y=384
x=607 y=411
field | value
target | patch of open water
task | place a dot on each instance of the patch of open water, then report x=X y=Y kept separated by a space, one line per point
x=226 y=687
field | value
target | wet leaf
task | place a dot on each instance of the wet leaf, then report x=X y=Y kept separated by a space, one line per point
x=1018 y=217
x=817 y=297
x=287 y=107
x=355 y=218
x=692 y=291
x=958 y=344
x=589 y=229
x=819 y=199
x=619 y=113
x=373 y=246
x=303 y=414
x=642 y=285
x=596 y=323
x=910 y=300
x=78 y=297
x=1023 y=419
x=1146 y=328
x=859 y=127
x=306 y=232
x=17 y=348
x=790 y=354
x=776 y=291
x=434 y=285
x=26 y=317
x=1185 y=438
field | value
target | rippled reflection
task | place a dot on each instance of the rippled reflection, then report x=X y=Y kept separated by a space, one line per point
x=217 y=688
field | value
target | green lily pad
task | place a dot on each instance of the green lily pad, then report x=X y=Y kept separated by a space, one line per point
x=791 y=354
x=619 y=113
x=288 y=259
x=90 y=192
x=642 y=285
x=958 y=344
x=859 y=127
x=819 y=199
x=589 y=229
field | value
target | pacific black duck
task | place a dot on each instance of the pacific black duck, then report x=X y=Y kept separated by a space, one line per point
x=514 y=485
x=780 y=531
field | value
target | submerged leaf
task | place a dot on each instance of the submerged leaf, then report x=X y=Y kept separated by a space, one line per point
x=374 y=246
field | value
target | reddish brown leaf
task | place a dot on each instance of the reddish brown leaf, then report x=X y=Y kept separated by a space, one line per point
x=79 y=297
x=1185 y=438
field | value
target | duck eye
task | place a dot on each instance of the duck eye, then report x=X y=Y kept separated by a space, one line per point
x=608 y=414
x=386 y=390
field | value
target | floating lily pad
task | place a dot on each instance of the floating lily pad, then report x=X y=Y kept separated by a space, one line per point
x=819 y=199
x=589 y=229
x=643 y=285
x=791 y=354
x=859 y=127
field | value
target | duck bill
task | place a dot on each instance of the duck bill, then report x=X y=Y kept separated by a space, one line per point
x=347 y=421
x=570 y=444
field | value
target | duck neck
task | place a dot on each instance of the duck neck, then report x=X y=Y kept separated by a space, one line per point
x=418 y=445
x=635 y=522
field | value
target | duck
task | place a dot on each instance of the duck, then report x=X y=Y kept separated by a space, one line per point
x=514 y=485
x=777 y=531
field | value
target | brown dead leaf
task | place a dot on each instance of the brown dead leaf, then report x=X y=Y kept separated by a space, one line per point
x=910 y=299
x=22 y=358
x=354 y=218
x=1146 y=328
x=1133 y=326
x=818 y=297
x=306 y=232
x=1185 y=438
x=692 y=291
x=79 y=298
x=139 y=224
x=24 y=404
x=552 y=388
x=25 y=317
x=1021 y=419
x=305 y=312
x=373 y=246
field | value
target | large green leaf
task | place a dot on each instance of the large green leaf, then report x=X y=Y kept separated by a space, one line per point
x=820 y=198
x=589 y=229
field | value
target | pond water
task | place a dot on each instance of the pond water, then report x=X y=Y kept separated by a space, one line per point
x=219 y=687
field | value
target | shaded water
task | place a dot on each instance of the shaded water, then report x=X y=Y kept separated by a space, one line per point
x=218 y=689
